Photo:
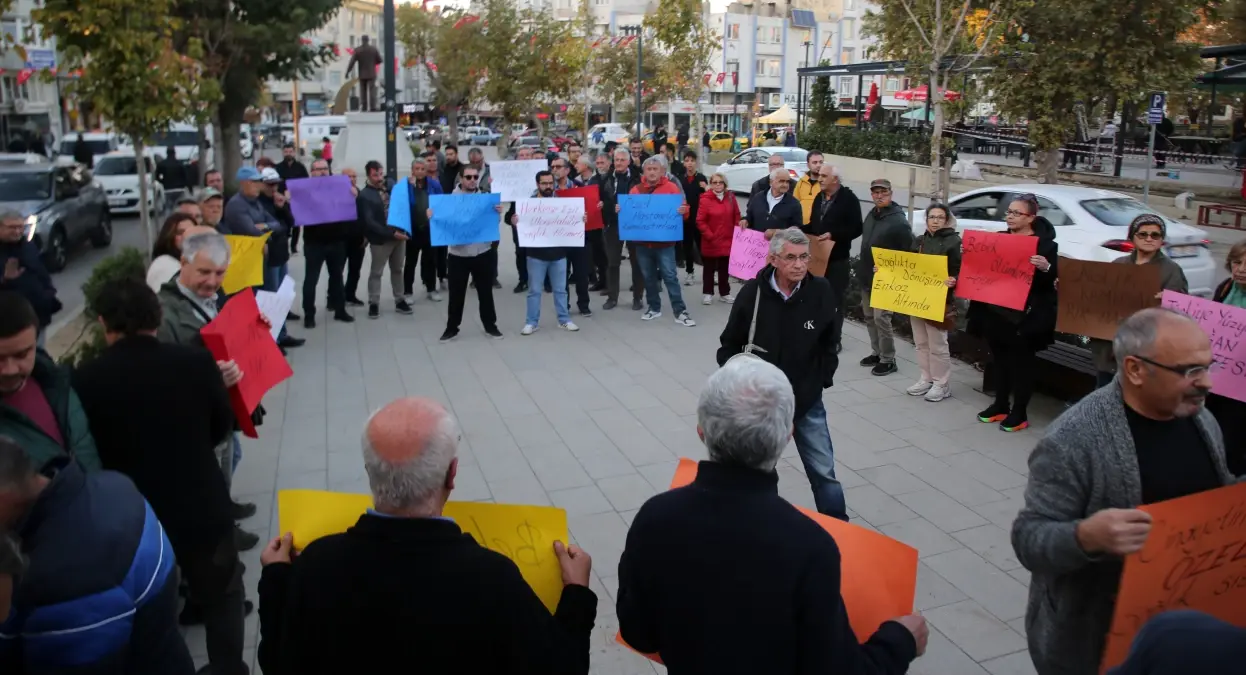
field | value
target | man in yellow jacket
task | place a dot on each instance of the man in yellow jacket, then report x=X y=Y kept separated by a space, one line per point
x=807 y=187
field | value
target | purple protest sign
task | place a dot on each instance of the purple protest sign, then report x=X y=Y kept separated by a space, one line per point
x=749 y=249
x=320 y=200
x=1226 y=327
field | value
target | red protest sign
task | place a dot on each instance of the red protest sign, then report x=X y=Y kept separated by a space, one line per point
x=238 y=334
x=591 y=198
x=995 y=268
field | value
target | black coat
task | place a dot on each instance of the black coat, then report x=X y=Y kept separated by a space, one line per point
x=157 y=412
x=841 y=218
x=289 y=170
x=798 y=334
x=172 y=174
x=787 y=213
x=1035 y=326
x=692 y=195
x=279 y=241
x=765 y=597
x=34 y=283
x=611 y=187
x=393 y=591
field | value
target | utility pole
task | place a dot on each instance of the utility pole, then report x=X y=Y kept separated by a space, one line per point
x=800 y=91
x=391 y=93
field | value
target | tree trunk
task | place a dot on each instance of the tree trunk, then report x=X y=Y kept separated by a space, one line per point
x=144 y=201
x=936 y=131
x=228 y=153
x=452 y=116
x=1048 y=161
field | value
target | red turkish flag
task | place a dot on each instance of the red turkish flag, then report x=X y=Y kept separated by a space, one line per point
x=707 y=78
x=720 y=77
x=24 y=75
x=735 y=78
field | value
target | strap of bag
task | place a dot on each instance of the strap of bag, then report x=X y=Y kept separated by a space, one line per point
x=751 y=348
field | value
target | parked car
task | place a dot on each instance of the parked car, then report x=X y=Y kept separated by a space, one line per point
x=117 y=172
x=534 y=142
x=63 y=206
x=485 y=137
x=721 y=140
x=609 y=132
x=745 y=168
x=647 y=141
x=9 y=158
x=1091 y=224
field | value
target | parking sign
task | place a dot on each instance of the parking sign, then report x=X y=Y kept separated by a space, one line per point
x=1155 y=114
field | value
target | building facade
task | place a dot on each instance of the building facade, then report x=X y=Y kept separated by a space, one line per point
x=30 y=106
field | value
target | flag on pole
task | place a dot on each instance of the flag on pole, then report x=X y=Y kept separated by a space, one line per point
x=707 y=78
x=720 y=77
x=735 y=78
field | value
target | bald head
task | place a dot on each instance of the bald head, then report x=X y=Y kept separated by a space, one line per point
x=409 y=449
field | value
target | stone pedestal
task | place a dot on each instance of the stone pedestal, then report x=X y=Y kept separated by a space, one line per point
x=363 y=140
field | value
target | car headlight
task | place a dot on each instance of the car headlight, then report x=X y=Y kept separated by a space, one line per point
x=32 y=224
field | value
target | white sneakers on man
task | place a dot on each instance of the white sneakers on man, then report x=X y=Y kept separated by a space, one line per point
x=570 y=327
x=728 y=299
x=938 y=393
x=685 y=320
x=528 y=329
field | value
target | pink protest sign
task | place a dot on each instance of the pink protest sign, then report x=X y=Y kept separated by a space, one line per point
x=1226 y=326
x=748 y=253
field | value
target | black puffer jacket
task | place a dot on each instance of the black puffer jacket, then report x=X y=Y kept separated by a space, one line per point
x=612 y=186
x=1036 y=324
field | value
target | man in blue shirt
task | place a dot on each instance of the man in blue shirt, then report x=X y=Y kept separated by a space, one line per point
x=244 y=214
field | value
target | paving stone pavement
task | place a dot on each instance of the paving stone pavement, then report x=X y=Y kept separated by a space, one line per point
x=593 y=422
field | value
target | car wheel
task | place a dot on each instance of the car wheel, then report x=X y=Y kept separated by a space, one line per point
x=57 y=254
x=101 y=236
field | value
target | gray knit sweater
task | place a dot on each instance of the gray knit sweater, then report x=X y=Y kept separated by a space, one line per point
x=1085 y=463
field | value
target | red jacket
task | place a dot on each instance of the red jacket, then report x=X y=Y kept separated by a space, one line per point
x=717 y=221
x=664 y=187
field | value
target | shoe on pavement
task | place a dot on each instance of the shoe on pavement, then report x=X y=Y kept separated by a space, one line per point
x=408 y=298
x=586 y=312
x=309 y=321
x=291 y=316
x=442 y=284
x=291 y=342
x=343 y=316
x=241 y=510
x=354 y=302
x=521 y=287
x=403 y=307
x=690 y=279
x=886 y=368
x=995 y=413
x=685 y=320
x=528 y=329
x=450 y=334
x=726 y=299
x=494 y=333
x=243 y=540
x=707 y=299
x=919 y=388
x=1015 y=422
x=938 y=393
x=610 y=304
x=650 y=315
x=870 y=361
x=637 y=305
x=497 y=284
x=434 y=296
x=569 y=326
x=374 y=311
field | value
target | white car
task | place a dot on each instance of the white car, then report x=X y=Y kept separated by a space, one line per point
x=609 y=132
x=117 y=173
x=1091 y=224
x=100 y=143
x=751 y=165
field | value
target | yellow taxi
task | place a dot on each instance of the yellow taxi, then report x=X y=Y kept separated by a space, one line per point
x=721 y=140
x=648 y=141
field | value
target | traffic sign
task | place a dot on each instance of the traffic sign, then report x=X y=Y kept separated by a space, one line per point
x=1155 y=113
x=40 y=59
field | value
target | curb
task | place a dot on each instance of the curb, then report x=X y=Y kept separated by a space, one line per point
x=65 y=319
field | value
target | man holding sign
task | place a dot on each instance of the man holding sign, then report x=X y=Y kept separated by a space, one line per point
x=477 y=259
x=657 y=258
x=476 y=614
x=547 y=261
x=1146 y=438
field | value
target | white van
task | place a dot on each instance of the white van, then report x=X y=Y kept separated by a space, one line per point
x=315 y=128
x=101 y=143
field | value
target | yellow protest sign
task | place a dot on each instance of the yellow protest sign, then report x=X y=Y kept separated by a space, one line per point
x=246 y=262
x=910 y=283
x=525 y=534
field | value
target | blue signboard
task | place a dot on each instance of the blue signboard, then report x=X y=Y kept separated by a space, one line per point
x=1155 y=113
x=40 y=59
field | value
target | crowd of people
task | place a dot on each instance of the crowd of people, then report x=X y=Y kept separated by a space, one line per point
x=109 y=541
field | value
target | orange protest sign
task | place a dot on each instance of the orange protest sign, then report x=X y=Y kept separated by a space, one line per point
x=878 y=575
x=1194 y=558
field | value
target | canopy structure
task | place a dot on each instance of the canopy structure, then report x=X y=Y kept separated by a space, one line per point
x=784 y=115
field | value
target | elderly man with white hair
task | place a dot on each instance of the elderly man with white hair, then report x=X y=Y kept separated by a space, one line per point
x=728 y=552
x=619 y=181
x=657 y=258
x=775 y=209
x=405 y=587
x=786 y=316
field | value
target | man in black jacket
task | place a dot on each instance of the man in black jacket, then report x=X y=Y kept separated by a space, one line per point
x=789 y=617
x=762 y=184
x=619 y=182
x=277 y=258
x=694 y=184
x=171 y=173
x=885 y=226
x=774 y=209
x=326 y=246
x=836 y=215
x=290 y=167
x=409 y=579
x=157 y=412
x=388 y=244
x=22 y=270
x=795 y=329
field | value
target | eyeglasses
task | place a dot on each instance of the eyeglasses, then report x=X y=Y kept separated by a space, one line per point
x=1157 y=236
x=717 y=182
x=936 y=217
x=1187 y=372
x=790 y=258
x=1014 y=212
x=467 y=177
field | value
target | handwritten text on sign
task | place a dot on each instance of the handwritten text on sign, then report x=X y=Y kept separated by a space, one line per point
x=463 y=219
x=515 y=179
x=1194 y=558
x=749 y=249
x=525 y=534
x=1226 y=326
x=1095 y=297
x=996 y=268
x=650 y=218
x=546 y=223
x=910 y=283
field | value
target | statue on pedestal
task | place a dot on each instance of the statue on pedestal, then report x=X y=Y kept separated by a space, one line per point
x=368 y=58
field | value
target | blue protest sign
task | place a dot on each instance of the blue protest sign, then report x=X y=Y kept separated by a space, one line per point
x=463 y=219
x=399 y=215
x=650 y=218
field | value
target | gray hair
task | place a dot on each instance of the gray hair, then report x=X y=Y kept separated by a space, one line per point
x=780 y=174
x=1135 y=336
x=658 y=160
x=830 y=169
x=211 y=244
x=583 y=162
x=401 y=486
x=10 y=214
x=745 y=413
x=791 y=236
x=623 y=152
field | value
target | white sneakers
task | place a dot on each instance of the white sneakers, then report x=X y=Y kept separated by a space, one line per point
x=528 y=329
x=650 y=315
x=690 y=279
x=728 y=299
x=919 y=387
x=933 y=392
x=570 y=327
x=684 y=320
x=434 y=296
x=707 y=300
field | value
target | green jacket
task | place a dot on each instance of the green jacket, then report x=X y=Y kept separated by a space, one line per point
x=70 y=417
x=180 y=319
x=1171 y=278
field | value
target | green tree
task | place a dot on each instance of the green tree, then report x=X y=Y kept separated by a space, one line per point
x=822 y=100
x=131 y=71
x=682 y=35
x=449 y=47
x=614 y=74
x=536 y=66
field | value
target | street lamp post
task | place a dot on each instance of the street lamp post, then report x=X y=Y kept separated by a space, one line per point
x=391 y=94
x=801 y=102
x=638 y=31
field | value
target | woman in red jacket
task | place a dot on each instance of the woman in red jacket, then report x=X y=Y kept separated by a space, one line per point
x=717 y=216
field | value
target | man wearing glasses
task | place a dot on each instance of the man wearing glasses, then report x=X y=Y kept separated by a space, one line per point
x=1144 y=438
x=885 y=227
x=479 y=261
x=325 y=246
x=578 y=264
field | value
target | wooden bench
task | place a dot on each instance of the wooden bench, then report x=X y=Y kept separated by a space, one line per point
x=1205 y=211
x=1070 y=382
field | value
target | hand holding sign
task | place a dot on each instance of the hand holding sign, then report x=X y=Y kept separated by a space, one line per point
x=323 y=199
x=457 y=220
x=653 y=217
x=749 y=250
x=1095 y=297
x=550 y=223
x=238 y=334
x=997 y=268
x=590 y=195
x=910 y=283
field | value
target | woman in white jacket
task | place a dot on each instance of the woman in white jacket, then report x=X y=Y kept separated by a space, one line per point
x=166 y=255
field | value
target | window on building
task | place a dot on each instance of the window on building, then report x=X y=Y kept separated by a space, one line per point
x=732 y=67
x=12 y=90
x=846 y=56
x=772 y=68
x=351 y=42
x=850 y=5
x=733 y=30
x=849 y=27
x=9 y=28
x=847 y=85
x=776 y=34
x=761 y=34
x=760 y=67
x=335 y=78
x=892 y=84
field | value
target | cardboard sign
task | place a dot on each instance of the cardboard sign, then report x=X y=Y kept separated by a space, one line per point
x=238 y=334
x=591 y=196
x=323 y=199
x=515 y=179
x=995 y=268
x=1226 y=327
x=399 y=214
x=1194 y=558
x=550 y=223
x=878 y=575
x=463 y=219
x=910 y=283
x=246 y=262
x=651 y=218
x=749 y=250
x=821 y=256
x=1094 y=297
x=525 y=534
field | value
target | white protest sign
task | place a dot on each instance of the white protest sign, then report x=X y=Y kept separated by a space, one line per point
x=515 y=179
x=276 y=306
x=546 y=223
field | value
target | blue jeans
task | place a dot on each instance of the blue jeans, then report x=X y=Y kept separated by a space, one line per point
x=813 y=442
x=537 y=271
x=237 y=454
x=273 y=276
x=658 y=265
